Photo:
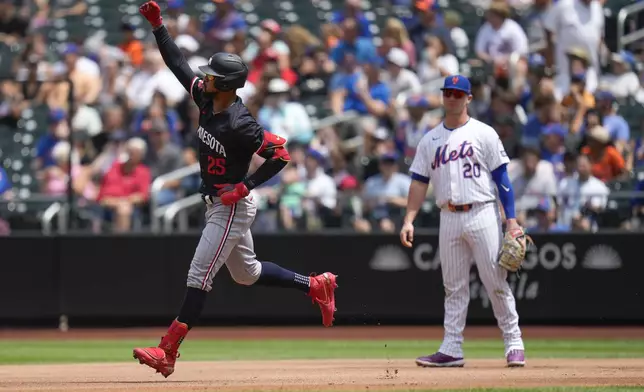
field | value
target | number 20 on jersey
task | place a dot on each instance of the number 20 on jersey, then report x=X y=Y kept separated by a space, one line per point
x=471 y=171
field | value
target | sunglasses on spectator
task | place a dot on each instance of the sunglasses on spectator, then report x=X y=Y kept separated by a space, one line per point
x=457 y=94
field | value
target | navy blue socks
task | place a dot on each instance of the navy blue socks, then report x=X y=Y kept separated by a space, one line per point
x=276 y=276
x=192 y=306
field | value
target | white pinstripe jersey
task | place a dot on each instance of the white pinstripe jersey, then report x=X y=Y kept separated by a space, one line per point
x=459 y=162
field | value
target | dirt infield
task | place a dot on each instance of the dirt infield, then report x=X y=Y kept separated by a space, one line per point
x=327 y=375
x=322 y=375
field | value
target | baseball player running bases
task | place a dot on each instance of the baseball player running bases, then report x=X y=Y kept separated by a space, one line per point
x=465 y=160
x=228 y=139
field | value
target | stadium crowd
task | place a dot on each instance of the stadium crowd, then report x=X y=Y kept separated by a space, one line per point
x=541 y=73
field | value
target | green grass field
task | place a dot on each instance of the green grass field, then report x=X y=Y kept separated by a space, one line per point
x=18 y=352
x=83 y=351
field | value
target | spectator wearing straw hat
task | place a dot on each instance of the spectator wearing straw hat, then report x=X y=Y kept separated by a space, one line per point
x=574 y=23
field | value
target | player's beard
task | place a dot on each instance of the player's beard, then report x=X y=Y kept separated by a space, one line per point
x=211 y=94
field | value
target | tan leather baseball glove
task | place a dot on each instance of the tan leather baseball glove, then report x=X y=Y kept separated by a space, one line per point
x=513 y=249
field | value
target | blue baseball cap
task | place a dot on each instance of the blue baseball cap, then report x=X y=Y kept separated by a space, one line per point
x=580 y=76
x=624 y=57
x=371 y=57
x=418 y=101
x=536 y=60
x=389 y=157
x=544 y=205
x=315 y=154
x=457 y=82
x=71 y=48
x=57 y=115
x=604 y=96
x=174 y=4
x=554 y=129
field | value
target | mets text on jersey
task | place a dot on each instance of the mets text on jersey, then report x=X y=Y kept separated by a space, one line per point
x=211 y=142
x=442 y=157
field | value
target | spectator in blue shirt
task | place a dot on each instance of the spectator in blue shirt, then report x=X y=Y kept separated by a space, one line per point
x=58 y=130
x=617 y=127
x=352 y=10
x=425 y=22
x=366 y=93
x=546 y=112
x=553 y=137
x=384 y=196
x=352 y=43
x=544 y=217
x=637 y=157
x=224 y=25
x=637 y=203
x=537 y=71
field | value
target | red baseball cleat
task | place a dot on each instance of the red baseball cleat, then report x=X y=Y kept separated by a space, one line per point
x=322 y=288
x=163 y=357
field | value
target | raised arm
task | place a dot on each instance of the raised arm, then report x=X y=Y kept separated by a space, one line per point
x=174 y=59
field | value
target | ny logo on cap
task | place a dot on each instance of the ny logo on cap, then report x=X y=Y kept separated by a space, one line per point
x=455 y=80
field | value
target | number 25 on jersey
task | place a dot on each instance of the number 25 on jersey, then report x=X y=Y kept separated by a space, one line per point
x=216 y=166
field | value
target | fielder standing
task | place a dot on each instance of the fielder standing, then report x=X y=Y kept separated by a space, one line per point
x=229 y=138
x=466 y=161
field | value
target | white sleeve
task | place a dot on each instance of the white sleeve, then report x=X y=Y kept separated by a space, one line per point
x=600 y=199
x=521 y=40
x=416 y=87
x=494 y=150
x=421 y=162
x=482 y=37
x=598 y=9
x=449 y=62
x=551 y=18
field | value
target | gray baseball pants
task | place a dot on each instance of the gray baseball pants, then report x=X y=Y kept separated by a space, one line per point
x=226 y=239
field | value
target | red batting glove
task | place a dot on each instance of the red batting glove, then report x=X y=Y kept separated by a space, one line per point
x=231 y=194
x=152 y=12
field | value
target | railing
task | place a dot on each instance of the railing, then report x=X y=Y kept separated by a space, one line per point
x=625 y=39
x=59 y=210
x=157 y=186
x=168 y=213
x=177 y=207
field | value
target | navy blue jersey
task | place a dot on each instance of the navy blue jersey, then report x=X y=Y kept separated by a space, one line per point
x=227 y=140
